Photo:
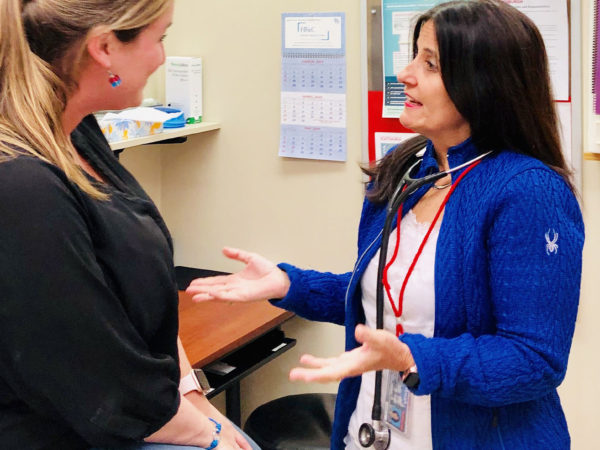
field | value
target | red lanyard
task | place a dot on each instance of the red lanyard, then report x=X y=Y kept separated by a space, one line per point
x=398 y=310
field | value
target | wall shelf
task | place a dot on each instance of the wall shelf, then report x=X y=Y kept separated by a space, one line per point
x=591 y=156
x=169 y=133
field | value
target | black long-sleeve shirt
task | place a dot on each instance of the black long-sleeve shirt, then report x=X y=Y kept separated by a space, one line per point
x=88 y=306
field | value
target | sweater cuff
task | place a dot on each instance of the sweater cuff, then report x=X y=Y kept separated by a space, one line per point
x=427 y=364
x=298 y=289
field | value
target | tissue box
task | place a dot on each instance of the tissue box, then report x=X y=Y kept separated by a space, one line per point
x=122 y=129
x=134 y=123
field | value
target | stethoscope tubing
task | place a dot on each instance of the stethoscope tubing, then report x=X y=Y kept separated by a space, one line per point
x=406 y=188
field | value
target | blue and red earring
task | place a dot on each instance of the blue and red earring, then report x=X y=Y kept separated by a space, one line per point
x=113 y=79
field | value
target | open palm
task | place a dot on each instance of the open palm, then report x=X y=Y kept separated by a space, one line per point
x=259 y=280
x=379 y=350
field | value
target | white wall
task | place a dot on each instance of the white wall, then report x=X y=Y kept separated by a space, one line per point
x=230 y=188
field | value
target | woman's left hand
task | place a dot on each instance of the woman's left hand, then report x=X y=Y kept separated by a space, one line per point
x=380 y=350
x=233 y=435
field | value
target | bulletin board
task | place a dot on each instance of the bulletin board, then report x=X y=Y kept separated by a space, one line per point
x=570 y=110
x=591 y=82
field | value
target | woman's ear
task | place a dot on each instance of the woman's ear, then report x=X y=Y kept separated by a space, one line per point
x=100 y=45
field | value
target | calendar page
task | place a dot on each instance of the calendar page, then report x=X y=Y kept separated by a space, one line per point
x=313 y=86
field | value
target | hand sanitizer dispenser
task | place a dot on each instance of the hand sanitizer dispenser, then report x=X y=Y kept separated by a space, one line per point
x=184 y=86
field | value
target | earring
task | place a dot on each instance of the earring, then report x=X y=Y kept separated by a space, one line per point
x=113 y=79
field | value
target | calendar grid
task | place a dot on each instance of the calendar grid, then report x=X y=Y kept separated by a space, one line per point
x=313 y=92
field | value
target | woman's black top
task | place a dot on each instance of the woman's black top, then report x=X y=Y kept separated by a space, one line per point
x=88 y=306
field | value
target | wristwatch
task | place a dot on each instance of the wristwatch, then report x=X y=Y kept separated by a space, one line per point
x=194 y=381
x=410 y=377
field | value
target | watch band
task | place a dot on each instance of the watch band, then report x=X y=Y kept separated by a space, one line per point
x=194 y=381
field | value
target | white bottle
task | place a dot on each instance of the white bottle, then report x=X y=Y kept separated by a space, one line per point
x=184 y=86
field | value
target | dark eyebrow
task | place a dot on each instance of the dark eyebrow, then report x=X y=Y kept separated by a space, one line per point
x=430 y=52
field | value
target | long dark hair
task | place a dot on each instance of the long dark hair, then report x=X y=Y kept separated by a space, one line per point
x=495 y=69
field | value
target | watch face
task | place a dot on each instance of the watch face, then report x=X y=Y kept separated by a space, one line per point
x=202 y=380
x=412 y=380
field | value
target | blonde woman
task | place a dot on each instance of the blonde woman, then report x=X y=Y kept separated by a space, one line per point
x=89 y=355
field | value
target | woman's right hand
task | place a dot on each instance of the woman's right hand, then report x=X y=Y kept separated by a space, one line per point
x=259 y=280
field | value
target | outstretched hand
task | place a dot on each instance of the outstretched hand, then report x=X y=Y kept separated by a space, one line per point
x=259 y=280
x=379 y=350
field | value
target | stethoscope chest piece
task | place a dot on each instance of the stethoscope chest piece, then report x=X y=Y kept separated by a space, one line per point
x=378 y=439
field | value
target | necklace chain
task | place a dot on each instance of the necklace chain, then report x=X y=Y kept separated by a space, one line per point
x=441 y=186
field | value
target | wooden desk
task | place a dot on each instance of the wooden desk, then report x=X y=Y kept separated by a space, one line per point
x=242 y=335
x=213 y=329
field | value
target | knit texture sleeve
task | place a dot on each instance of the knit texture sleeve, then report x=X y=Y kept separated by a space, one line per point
x=69 y=350
x=534 y=248
x=315 y=295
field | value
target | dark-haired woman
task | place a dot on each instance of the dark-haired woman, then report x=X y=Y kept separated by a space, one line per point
x=482 y=281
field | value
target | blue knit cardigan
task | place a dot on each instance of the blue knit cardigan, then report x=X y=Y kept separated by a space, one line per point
x=507 y=280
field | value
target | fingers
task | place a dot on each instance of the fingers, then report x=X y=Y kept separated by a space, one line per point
x=324 y=374
x=229 y=295
x=228 y=445
x=230 y=438
x=198 y=288
x=243 y=444
x=210 y=281
x=237 y=254
x=205 y=289
x=361 y=333
x=311 y=375
x=322 y=370
x=313 y=361
x=372 y=337
x=200 y=292
x=232 y=253
x=203 y=297
x=233 y=436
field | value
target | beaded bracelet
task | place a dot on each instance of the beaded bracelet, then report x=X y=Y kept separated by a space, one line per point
x=216 y=434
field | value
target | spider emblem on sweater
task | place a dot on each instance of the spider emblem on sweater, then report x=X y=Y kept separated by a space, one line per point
x=551 y=245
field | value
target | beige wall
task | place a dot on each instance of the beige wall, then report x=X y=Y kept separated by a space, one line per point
x=230 y=188
x=580 y=393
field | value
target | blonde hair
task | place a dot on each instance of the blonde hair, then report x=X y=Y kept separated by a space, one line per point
x=42 y=47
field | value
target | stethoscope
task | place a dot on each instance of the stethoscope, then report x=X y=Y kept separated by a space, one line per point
x=377 y=433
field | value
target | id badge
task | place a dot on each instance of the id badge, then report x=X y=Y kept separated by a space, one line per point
x=398 y=403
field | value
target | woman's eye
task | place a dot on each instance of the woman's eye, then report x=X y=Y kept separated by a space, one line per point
x=163 y=37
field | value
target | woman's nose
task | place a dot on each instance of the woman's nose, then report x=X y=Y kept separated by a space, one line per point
x=406 y=75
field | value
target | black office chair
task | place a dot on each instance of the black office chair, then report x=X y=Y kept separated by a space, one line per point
x=301 y=422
